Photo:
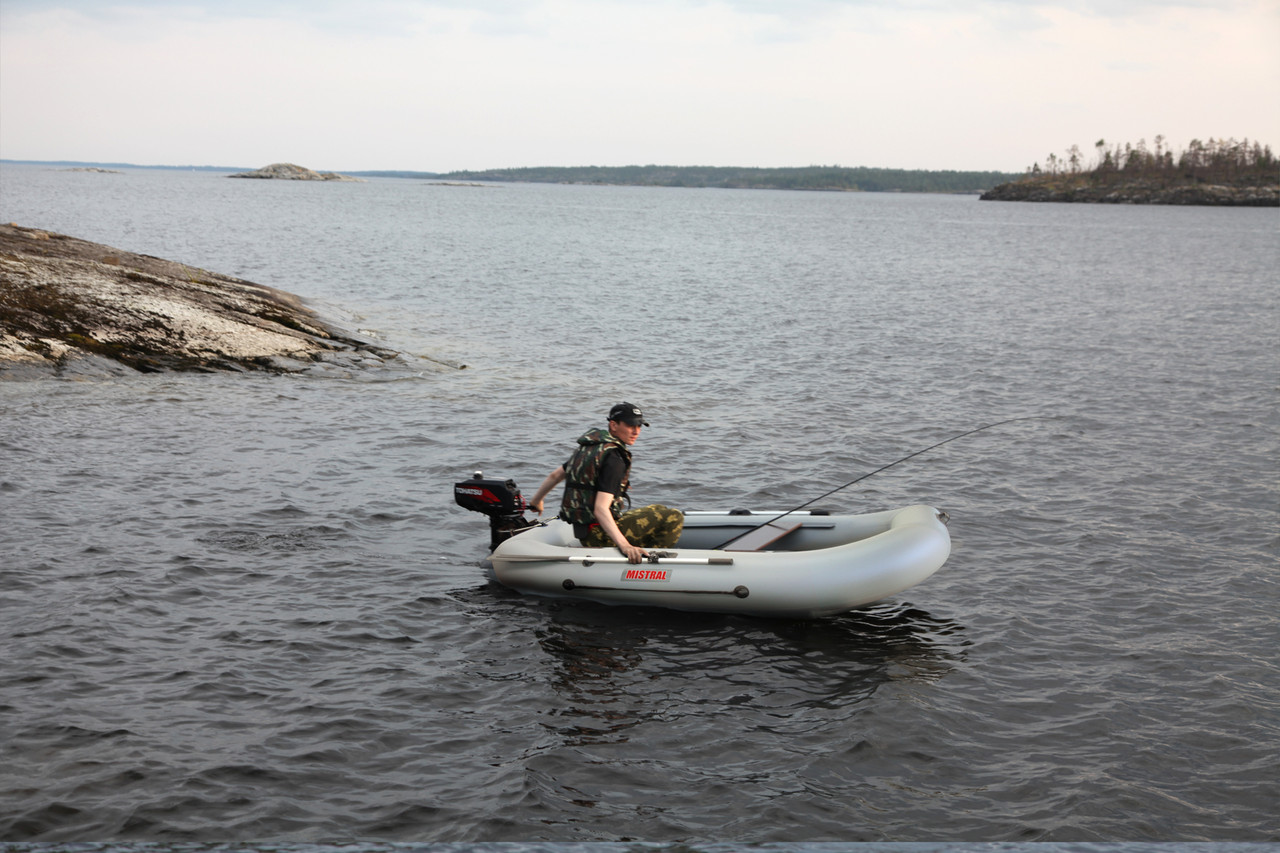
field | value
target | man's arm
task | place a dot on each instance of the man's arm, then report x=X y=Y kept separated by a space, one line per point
x=603 y=511
x=554 y=479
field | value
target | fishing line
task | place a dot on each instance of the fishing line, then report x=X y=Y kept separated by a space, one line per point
x=878 y=470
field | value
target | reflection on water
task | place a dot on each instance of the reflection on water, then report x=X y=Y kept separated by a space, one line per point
x=610 y=663
x=244 y=603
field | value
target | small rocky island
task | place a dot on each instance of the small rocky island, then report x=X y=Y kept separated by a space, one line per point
x=1135 y=192
x=1220 y=172
x=293 y=172
x=71 y=308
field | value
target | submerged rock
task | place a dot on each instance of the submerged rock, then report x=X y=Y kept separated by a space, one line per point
x=70 y=307
x=293 y=172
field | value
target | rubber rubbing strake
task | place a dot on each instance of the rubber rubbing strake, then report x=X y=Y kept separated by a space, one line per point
x=569 y=585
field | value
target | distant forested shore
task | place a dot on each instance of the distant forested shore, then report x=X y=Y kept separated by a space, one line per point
x=86 y=165
x=819 y=178
x=1217 y=172
x=1223 y=172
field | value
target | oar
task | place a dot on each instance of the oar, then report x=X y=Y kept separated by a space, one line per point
x=588 y=560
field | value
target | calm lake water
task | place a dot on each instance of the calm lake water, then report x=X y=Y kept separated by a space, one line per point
x=245 y=607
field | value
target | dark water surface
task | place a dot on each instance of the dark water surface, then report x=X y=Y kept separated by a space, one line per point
x=245 y=607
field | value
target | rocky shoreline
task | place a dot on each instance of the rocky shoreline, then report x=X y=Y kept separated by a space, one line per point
x=293 y=172
x=1136 y=193
x=72 y=308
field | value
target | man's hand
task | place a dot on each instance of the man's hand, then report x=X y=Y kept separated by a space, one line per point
x=604 y=517
x=554 y=479
x=633 y=553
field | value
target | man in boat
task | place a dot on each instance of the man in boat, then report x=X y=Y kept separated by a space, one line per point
x=595 y=495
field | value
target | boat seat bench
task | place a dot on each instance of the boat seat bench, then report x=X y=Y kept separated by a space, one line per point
x=762 y=537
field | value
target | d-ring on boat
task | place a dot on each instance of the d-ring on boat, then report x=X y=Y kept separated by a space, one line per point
x=793 y=565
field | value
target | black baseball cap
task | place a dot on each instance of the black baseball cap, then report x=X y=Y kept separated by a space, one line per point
x=628 y=414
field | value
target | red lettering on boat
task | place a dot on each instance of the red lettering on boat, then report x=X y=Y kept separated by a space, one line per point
x=646 y=575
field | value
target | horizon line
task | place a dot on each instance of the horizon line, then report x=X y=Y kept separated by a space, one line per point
x=213 y=168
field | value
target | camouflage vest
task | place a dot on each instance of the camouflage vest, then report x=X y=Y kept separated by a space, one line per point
x=583 y=468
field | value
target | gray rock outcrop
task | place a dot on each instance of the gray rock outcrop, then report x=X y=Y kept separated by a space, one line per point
x=1135 y=192
x=293 y=172
x=71 y=307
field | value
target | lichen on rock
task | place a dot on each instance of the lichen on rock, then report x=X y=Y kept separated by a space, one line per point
x=68 y=305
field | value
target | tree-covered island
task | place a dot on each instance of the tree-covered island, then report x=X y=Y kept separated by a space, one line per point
x=1217 y=172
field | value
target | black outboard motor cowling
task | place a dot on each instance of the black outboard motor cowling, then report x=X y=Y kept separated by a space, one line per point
x=499 y=499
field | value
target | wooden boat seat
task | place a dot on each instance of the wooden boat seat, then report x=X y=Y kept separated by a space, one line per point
x=762 y=537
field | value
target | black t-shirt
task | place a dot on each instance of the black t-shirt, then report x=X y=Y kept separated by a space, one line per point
x=612 y=470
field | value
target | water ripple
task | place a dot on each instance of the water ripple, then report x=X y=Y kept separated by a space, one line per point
x=245 y=608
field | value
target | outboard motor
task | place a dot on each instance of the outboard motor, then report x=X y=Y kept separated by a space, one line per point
x=499 y=499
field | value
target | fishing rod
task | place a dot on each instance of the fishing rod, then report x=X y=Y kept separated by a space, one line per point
x=877 y=471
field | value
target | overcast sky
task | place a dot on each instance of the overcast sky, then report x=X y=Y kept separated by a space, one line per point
x=441 y=85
